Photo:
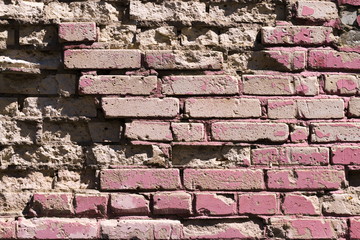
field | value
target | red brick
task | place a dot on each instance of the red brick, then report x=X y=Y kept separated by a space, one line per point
x=52 y=204
x=140 y=229
x=172 y=203
x=200 y=85
x=311 y=228
x=140 y=179
x=345 y=155
x=57 y=228
x=128 y=204
x=222 y=108
x=295 y=203
x=333 y=60
x=305 y=179
x=297 y=35
x=215 y=204
x=316 y=11
x=349 y=2
x=335 y=132
x=150 y=131
x=258 y=203
x=91 y=205
x=117 y=84
x=355 y=228
x=268 y=85
x=7 y=228
x=249 y=131
x=77 y=32
x=102 y=59
x=223 y=179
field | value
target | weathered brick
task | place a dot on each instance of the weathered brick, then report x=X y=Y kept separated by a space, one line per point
x=242 y=36
x=215 y=204
x=268 y=85
x=181 y=60
x=52 y=204
x=333 y=60
x=297 y=35
x=341 y=84
x=9 y=106
x=354 y=107
x=341 y=204
x=308 y=155
x=151 y=131
x=281 y=108
x=139 y=179
x=192 y=36
x=12 y=181
x=218 y=179
x=105 y=131
x=355 y=228
x=70 y=132
x=200 y=85
x=316 y=11
x=77 y=32
x=7 y=228
x=250 y=131
x=173 y=203
x=215 y=229
x=222 y=108
x=299 y=134
x=117 y=84
x=188 y=132
x=258 y=203
x=102 y=59
x=305 y=179
x=17 y=132
x=270 y=155
x=335 y=132
x=349 y=2
x=306 y=85
x=57 y=228
x=345 y=155
x=140 y=107
x=320 y=108
x=128 y=204
x=38 y=36
x=14 y=203
x=296 y=203
x=308 y=228
x=141 y=229
x=89 y=205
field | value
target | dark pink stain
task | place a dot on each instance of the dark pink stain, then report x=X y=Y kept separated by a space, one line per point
x=346 y=84
x=299 y=135
x=303 y=36
x=302 y=89
x=280 y=133
x=307 y=11
x=274 y=105
x=321 y=135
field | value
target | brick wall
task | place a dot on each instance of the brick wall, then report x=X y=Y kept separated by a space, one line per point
x=180 y=119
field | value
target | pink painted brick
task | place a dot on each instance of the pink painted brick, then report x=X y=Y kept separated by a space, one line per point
x=77 y=32
x=141 y=179
x=297 y=35
x=350 y=2
x=281 y=108
x=316 y=10
x=140 y=229
x=140 y=107
x=269 y=156
x=222 y=108
x=250 y=132
x=343 y=84
x=345 y=155
x=306 y=85
x=102 y=59
x=287 y=59
x=188 y=132
x=52 y=204
x=333 y=60
x=268 y=85
x=117 y=84
x=354 y=107
x=172 y=203
x=258 y=203
x=128 y=204
x=150 y=131
x=215 y=204
x=305 y=179
x=200 y=85
x=165 y=59
x=223 y=179
x=91 y=205
x=295 y=203
x=308 y=155
x=57 y=228
x=309 y=228
x=335 y=132
x=7 y=228
x=299 y=134
x=355 y=228
x=320 y=108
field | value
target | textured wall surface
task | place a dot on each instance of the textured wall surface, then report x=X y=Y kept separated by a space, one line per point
x=202 y=119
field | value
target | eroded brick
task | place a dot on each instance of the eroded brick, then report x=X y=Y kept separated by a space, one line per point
x=77 y=32
x=128 y=204
x=215 y=204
